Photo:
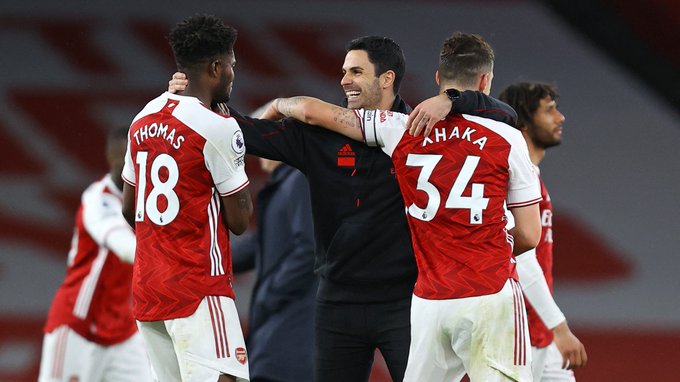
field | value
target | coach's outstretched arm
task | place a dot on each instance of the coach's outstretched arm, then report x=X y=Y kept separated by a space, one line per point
x=317 y=112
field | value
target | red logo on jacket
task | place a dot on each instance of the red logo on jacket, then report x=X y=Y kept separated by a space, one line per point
x=346 y=156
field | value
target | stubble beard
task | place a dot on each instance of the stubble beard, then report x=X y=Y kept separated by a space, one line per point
x=370 y=98
x=546 y=143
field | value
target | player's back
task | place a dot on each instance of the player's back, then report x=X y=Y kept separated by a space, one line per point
x=455 y=183
x=181 y=153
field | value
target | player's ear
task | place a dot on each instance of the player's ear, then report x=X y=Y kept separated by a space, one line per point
x=214 y=68
x=485 y=82
x=387 y=79
x=436 y=77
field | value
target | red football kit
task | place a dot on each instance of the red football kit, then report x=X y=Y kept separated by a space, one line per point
x=94 y=299
x=455 y=183
x=541 y=336
x=181 y=158
x=467 y=312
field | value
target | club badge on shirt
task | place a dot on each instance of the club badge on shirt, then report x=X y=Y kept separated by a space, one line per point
x=241 y=355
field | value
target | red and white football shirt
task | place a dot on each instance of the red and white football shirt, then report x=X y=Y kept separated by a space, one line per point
x=454 y=183
x=94 y=299
x=181 y=157
x=541 y=336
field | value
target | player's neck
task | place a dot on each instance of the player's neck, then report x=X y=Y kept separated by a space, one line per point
x=199 y=89
x=387 y=101
x=455 y=85
x=535 y=153
x=204 y=97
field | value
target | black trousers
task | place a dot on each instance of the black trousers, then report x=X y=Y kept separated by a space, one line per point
x=348 y=334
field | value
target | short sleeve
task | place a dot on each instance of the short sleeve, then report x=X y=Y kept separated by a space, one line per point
x=382 y=128
x=225 y=158
x=524 y=188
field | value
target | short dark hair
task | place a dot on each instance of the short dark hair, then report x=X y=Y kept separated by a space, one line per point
x=200 y=39
x=525 y=98
x=384 y=54
x=464 y=57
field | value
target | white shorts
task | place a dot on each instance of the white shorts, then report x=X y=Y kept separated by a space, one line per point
x=547 y=365
x=486 y=337
x=68 y=357
x=199 y=347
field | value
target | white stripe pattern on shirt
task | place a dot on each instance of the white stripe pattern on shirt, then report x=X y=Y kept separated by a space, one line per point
x=89 y=285
x=216 y=268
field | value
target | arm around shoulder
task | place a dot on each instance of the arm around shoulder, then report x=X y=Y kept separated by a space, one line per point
x=314 y=111
x=482 y=105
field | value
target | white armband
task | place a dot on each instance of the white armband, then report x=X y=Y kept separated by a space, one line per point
x=121 y=241
x=536 y=289
x=367 y=119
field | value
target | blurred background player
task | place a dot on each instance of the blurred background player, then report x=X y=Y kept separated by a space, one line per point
x=186 y=186
x=555 y=349
x=467 y=312
x=90 y=334
x=364 y=256
x=280 y=335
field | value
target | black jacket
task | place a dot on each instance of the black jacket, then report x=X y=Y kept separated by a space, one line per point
x=363 y=245
x=281 y=329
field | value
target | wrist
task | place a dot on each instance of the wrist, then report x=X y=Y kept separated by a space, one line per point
x=561 y=328
x=453 y=95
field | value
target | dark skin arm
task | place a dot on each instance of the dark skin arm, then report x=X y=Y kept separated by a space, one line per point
x=238 y=208
x=129 y=204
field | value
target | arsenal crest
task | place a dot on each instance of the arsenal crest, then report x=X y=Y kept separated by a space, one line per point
x=241 y=355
